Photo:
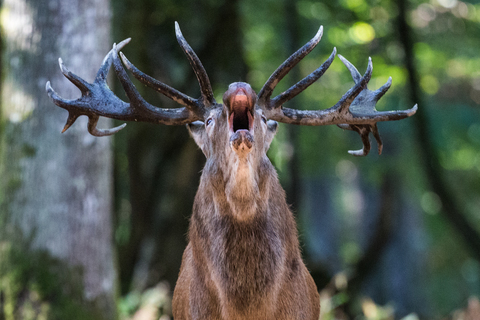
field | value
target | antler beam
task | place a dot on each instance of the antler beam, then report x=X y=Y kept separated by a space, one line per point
x=354 y=111
x=98 y=100
x=267 y=90
x=206 y=100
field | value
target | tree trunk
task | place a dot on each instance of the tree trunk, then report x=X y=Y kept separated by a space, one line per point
x=55 y=197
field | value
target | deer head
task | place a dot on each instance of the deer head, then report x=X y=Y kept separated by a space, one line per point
x=245 y=121
x=236 y=127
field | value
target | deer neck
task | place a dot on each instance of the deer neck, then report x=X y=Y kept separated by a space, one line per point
x=251 y=255
x=243 y=190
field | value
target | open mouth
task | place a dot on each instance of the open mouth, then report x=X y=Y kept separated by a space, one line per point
x=240 y=101
x=241 y=113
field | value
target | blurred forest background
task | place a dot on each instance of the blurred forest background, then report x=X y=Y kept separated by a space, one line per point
x=94 y=228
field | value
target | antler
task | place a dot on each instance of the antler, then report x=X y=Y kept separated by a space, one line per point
x=284 y=68
x=206 y=99
x=98 y=100
x=355 y=110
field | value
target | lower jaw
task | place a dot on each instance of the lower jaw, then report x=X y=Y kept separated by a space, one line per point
x=242 y=142
x=241 y=152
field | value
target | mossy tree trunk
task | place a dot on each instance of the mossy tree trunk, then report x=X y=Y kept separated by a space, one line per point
x=56 y=252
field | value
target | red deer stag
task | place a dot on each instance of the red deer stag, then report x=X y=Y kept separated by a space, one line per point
x=243 y=258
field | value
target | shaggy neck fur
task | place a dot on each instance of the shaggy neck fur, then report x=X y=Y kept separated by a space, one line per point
x=247 y=250
x=241 y=187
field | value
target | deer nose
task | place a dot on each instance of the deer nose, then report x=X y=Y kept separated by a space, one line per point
x=241 y=142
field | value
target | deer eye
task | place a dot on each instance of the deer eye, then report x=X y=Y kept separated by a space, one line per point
x=209 y=121
x=264 y=119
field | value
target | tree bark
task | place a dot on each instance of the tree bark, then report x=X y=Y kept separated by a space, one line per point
x=55 y=197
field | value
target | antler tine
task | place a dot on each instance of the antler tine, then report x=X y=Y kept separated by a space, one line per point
x=353 y=71
x=323 y=117
x=200 y=73
x=65 y=104
x=357 y=78
x=136 y=100
x=148 y=112
x=354 y=111
x=108 y=60
x=383 y=89
x=294 y=90
x=85 y=88
x=73 y=115
x=376 y=135
x=175 y=95
x=360 y=84
x=364 y=131
x=94 y=131
x=285 y=67
x=70 y=120
x=98 y=100
x=76 y=80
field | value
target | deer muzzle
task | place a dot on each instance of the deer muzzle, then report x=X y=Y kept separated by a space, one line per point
x=240 y=102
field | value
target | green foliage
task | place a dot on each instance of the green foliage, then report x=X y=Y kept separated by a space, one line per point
x=153 y=303
x=35 y=285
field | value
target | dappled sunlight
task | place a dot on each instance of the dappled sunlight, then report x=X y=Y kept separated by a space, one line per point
x=429 y=84
x=461 y=156
x=470 y=312
x=20 y=22
x=313 y=10
x=431 y=203
x=358 y=6
x=373 y=311
x=152 y=304
x=448 y=4
x=338 y=36
x=361 y=33
x=440 y=64
x=346 y=171
x=17 y=104
x=334 y=297
x=21 y=35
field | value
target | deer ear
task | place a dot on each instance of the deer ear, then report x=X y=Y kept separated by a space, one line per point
x=271 y=131
x=198 y=133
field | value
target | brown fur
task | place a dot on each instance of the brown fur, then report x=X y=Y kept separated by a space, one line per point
x=243 y=259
